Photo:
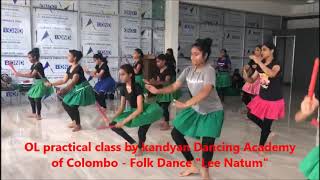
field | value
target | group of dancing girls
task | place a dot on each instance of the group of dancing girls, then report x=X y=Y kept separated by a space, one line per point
x=202 y=115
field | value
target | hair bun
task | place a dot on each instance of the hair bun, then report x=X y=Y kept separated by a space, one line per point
x=208 y=41
x=80 y=55
x=36 y=50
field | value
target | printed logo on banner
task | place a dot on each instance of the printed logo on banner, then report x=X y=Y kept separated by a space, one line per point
x=90 y=23
x=61 y=66
x=14 y=62
x=12 y=94
x=90 y=51
x=56 y=37
x=130 y=13
x=46 y=36
x=12 y=30
x=130 y=30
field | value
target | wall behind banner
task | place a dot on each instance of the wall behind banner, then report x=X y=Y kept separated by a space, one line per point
x=238 y=32
x=112 y=27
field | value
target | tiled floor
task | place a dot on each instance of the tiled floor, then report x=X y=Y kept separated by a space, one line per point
x=16 y=130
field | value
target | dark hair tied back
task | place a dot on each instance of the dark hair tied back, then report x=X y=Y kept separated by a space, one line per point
x=204 y=45
x=35 y=53
x=77 y=54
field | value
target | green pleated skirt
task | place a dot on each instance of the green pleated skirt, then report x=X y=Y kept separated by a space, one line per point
x=310 y=164
x=81 y=95
x=39 y=90
x=168 y=97
x=223 y=80
x=193 y=124
x=151 y=113
x=139 y=80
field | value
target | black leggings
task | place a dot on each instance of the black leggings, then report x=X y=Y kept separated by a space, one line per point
x=246 y=97
x=165 y=108
x=179 y=139
x=221 y=93
x=141 y=134
x=265 y=126
x=101 y=99
x=35 y=105
x=73 y=112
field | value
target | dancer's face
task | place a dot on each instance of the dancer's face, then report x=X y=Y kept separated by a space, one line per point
x=136 y=55
x=257 y=51
x=222 y=54
x=197 y=58
x=98 y=61
x=161 y=63
x=31 y=58
x=124 y=76
x=266 y=52
x=71 y=58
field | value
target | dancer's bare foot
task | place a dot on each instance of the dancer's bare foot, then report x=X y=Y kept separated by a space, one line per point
x=205 y=173
x=72 y=124
x=189 y=171
x=270 y=137
x=76 y=128
x=33 y=115
x=38 y=117
x=138 y=153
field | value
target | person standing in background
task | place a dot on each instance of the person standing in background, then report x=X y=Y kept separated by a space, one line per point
x=138 y=67
x=223 y=67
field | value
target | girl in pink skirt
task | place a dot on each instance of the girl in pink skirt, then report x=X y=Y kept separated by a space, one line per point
x=250 y=90
x=269 y=104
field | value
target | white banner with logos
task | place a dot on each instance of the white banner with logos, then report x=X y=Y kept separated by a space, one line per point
x=130 y=8
x=146 y=9
x=189 y=13
x=15 y=30
x=16 y=2
x=99 y=6
x=99 y=33
x=146 y=40
x=55 y=67
x=188 y=31
x=158 y=42
x=233 y=18
x=254 y=20
x=253 y=38
x=211 y=16
x=216 y=34
x=69 y=5
x=233 y=41
x=55 y=31
x=130 y=35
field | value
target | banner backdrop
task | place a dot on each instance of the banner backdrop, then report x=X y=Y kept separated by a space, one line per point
x=70 y=5
x=146 y=9
x=233 y=18
x=16 y=2
x=188 y=13
x=99 y=6
x=99 y=33
x=130 y=8
x=253 y=38
x=15 y=30
x=233 y=41
x=130 y=35
x=57 y=67
x=55 y=31
x=254 y=20
x=211 y=16
x=216 y=34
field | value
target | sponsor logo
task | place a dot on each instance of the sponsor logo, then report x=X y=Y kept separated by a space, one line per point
x=130 y=30
x=11 y=93
x=130 y=13
x=62 y=37
x=12 y=30
x=101 y=24
x=49 y=6
x=105 y=52
x=14 y=62
x=61 y=66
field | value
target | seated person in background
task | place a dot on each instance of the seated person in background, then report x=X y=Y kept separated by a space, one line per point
x=237 y=80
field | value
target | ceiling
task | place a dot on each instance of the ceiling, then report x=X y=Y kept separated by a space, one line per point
x=290 y=2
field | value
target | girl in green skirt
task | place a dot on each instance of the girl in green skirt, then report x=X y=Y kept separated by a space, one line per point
x=139 y=114
x=38 y=89
x=202 y=115
x=78 y=92
x=138 y=67
x=223 y=76
x=164 y=78
x=310 y=164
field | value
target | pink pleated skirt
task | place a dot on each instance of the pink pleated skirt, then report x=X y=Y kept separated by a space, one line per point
x=267 y=109
x=252 y=88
